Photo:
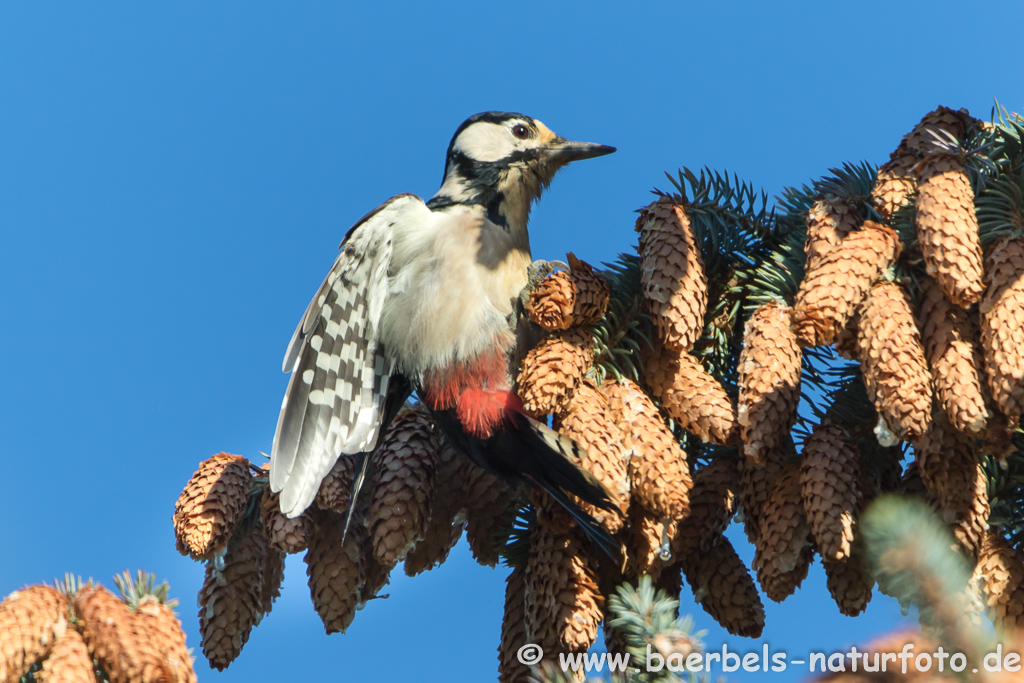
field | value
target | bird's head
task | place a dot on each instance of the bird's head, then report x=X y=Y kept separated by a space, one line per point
x=503 y=161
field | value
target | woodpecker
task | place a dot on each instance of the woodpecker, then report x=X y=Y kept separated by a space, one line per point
x=422 y=298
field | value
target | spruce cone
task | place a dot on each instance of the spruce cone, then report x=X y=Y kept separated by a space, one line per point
x=850 y=583
x=723 y=587
x=658 y=472
x=30 y=620
x=336 y=570
x=1001 y=570
x=712 y=504
x=403 y=484
x=165 y=629
x=513 y=630
x=284 y=534
x=550 y=304
x=273 y=577
x=947 y=229
x=830 y=294
x=552 y=370
x=846 y=340
x=447 y=520
x=490 y=512
x=588 y=422
x=211 y=505
x=562 y=300
x=1002 y=324
x=563 y=606
x=784 y=550
x=829 y=488
x=69 y=661
x=948 y=463
x=336 y=488
x=971 y=525
x=691 y=396
x=954 y=358
x=896 y=182
x=648 y=543
x=892 y=360
x=829 y=221
x=924 y=137
x=672 y=274
x=231 y=599
x=756 y=481
x=592 y=293
x=120 y=640
x=769 y=380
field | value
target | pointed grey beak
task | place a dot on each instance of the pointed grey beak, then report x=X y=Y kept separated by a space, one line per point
x=569 y=150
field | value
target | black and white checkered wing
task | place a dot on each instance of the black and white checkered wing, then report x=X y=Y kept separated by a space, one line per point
x=340 y=371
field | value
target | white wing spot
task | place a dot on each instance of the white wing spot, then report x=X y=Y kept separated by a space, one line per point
x=307 y=376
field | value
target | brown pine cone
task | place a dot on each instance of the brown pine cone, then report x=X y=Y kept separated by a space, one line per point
x=691 y=396
x=712 y=504
x=672 y=274
x=553 y=369
x=69 y=661
x=403 y=485
x=830 y=294
x=592 y=293
x=1002 y=324
x=769 y=380
x=723 y=586
x=273 y=577
x=950 y=342
x=490 y=512
x=850 y=583
x=336 y=570
x=892 y=360
x=1001 y=572
x=336 y=488
x=896 y=181
x=165 y=629
x=828 y=479
x=211 y=505
x=658 y=471
x=588 y=422
x=829 y=221
x=231 y=598
x=447 y=519
x=784 y=552
x=947 y=229
x=970 y=526
x=756 y=481
x=648 y=543
x=30 y=619
x=288 y=535
x=935 y=128
x=120 y=639
x=563 y=606
x=948 y=463
x=513 y=630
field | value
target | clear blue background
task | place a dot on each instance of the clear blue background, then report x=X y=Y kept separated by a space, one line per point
x=175 y=178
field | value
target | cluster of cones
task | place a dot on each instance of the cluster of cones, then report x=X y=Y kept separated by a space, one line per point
x=941 y=355
x=75 y=632
x=940 y=352
x=422 y=496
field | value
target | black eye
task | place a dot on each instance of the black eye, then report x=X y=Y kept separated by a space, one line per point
x=520 y=131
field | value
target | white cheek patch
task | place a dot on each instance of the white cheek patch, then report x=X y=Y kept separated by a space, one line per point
x=485 y=141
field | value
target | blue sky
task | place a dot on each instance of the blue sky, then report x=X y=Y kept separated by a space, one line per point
x=175 y=178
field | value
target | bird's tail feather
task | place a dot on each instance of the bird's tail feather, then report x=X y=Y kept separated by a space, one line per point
x=527 y=450
x=597 y=534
